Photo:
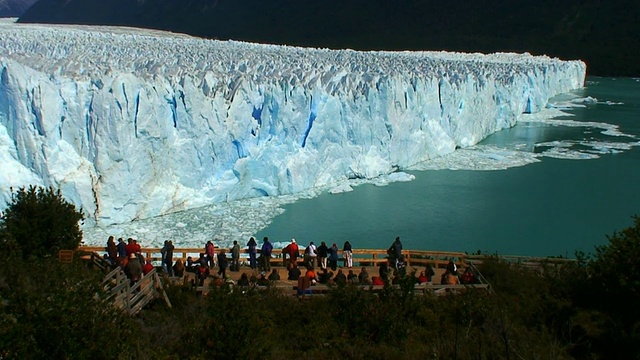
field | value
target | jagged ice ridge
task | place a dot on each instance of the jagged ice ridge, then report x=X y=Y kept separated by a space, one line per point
x=132 y=123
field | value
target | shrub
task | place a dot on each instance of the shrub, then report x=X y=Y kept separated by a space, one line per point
x=50 y=310
x=39 y=222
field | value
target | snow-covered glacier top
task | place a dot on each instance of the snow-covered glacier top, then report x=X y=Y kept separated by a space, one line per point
x=133 y=123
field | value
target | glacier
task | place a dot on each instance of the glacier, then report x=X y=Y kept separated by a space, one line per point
x=131 y=123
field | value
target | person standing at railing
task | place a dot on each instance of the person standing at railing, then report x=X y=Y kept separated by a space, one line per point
x=130 y=247
x=333 y=257
x=235 y=256
x=322 y=255
x=133 y=269
x=147 y=267
x=252 y=249
x=266 y=250
x=292 y=251
x=347 y=254
x=163 y=255
x=222 y=263
x=122 y=249
x=112 y=250
x=310 y=255
x=395 y=252
x=210 y=251
x=167 y=257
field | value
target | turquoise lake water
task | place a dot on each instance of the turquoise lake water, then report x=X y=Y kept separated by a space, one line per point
x=586 y=189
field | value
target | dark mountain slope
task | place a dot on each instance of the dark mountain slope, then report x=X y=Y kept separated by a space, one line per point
x=14 y=8
x=603 y=33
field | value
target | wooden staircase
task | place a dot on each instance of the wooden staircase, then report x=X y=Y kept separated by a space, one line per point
x=131 y=298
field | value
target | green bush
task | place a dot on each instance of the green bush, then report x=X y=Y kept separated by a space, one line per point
x=39 y=222
x=50 y=310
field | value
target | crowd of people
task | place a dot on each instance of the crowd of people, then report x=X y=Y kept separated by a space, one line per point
x=319 y=263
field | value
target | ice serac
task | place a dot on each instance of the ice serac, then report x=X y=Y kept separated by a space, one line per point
x=132 y=124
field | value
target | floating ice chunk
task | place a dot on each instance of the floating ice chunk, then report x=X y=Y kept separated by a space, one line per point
x=401 y=176
x=607 y=129
x=566 y=153
x=586 y=100
x=480 y=157
x=342 y=188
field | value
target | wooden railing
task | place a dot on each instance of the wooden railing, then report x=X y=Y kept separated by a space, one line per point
x=361 y=257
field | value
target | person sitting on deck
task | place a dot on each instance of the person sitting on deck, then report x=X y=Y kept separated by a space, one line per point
x=311 y=275
x=178 y=268
x=263 y=281
x=452 y=268
x=449 y=278
x=244 y=280
x=253 y=279
x=422 y=278
x=340 y=279
x=429 y=272
x=397 y=276
x=293 y=272
x=377 y=281
x=468 y=277
x=352 y=278
x=363 y=277
x=218 y=281
x=304 y=282
x=383 y=271
x=274 y=276
x=325 y=276
x=190 y=266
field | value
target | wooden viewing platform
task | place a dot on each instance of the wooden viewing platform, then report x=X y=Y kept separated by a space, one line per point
x=415 y=260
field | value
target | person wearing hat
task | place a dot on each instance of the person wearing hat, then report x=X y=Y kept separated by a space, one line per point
x=133 y=268
x=292 y=251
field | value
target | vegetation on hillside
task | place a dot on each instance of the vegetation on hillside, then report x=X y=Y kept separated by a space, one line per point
x=582 y=310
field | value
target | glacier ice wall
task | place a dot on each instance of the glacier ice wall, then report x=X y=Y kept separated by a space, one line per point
x=133 y=123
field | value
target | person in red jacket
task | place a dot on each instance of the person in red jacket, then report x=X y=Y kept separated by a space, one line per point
x=130 y=247
x=210 y=251
x=147 y=267
x=292 y=251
